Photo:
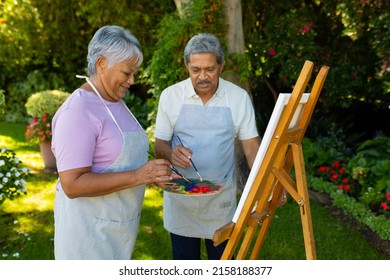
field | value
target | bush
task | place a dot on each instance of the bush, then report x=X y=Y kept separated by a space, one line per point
x=380 y=224
x=371 y=168
x=42 y=106
x=45 y=102
x=20 y=89
x=12 y=175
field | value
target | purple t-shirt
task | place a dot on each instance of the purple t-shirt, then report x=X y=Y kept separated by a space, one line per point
x=84 y=133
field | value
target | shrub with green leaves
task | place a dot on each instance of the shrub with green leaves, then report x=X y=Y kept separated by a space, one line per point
x=45 y=102
x=371 y=167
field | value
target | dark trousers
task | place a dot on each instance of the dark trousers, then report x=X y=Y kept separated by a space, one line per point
x=188 y=248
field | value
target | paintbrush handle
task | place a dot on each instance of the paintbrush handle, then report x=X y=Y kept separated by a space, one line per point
x=193 y=164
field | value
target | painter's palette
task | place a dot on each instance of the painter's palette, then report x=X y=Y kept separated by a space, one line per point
x=195 y=188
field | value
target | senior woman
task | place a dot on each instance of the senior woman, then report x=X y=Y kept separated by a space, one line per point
x=101 y=153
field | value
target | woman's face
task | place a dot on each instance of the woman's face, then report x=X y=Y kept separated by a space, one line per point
x=116 y=80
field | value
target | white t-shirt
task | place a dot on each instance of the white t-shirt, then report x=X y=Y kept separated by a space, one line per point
x=227 y=95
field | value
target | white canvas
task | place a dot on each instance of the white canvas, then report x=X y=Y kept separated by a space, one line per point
x=274 y=120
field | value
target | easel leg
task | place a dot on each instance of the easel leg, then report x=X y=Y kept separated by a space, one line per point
x=302 y=189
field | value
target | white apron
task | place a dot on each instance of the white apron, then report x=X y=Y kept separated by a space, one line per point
x=103 y=227
x=209 y=133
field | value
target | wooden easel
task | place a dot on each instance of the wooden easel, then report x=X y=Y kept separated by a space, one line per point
x=273 y=175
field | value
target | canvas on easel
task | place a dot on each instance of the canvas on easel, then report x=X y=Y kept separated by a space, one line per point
x=279 y=152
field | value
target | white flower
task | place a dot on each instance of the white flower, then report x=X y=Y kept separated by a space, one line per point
x=12 y=181
x=16 y=255
x=5 y=255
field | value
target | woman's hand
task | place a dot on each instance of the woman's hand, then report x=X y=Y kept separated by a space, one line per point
x=157 y=172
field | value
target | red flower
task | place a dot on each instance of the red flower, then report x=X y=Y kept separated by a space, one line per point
x=323 y=169
x=336 y=164
x=345 y=181
x=39 y=129
x=271 y=52
x=347 y=187
x=305 y=28
x=334 y=177
x=387 y=196
x=340 y=186
x=384 y=206
x=341 y=171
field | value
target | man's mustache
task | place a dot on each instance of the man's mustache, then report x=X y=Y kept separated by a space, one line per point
x=203 y=82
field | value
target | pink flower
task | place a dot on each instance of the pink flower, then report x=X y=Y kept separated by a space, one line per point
x=305 y=28
x=271 y=52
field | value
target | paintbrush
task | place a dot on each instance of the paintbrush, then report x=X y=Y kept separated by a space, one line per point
x=173 y=169
x=193 y=164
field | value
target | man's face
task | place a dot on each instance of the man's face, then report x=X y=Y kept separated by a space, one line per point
x=204 y=72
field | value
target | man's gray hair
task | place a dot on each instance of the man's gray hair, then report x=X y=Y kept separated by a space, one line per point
x=204 y=43
x=114 y=43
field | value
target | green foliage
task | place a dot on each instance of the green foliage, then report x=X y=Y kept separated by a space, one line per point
x=20 y=23
x=47 y=101
x=349 y=36
x=378 y=223
x=366 y=175
x=35 y=44
x=138 y=108
x=371 y=167
x=167 y=64
x=19 y=91
x=325 y=149
x=2 y=102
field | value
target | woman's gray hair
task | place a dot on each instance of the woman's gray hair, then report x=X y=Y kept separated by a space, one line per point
x=204 y=43
x=114 y=43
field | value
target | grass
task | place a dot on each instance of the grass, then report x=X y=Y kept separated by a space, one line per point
x=27 y=225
